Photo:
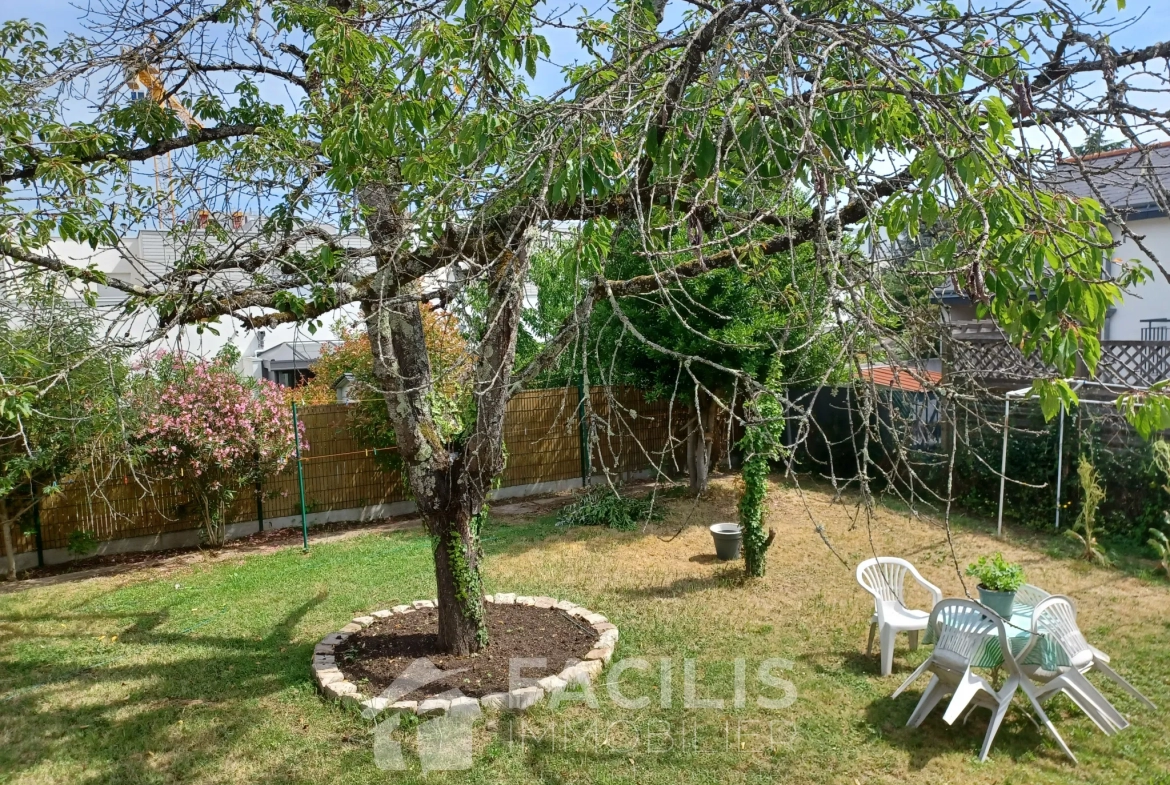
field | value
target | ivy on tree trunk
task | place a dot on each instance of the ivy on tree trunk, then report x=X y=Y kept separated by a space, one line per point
x=751 y=514
x=761 y=444
x=457 y=552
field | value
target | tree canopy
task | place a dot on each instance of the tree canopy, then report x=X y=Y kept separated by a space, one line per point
x=59 y=388
x=396 y=154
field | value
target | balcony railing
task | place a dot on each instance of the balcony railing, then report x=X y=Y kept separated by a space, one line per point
x=1156 y=329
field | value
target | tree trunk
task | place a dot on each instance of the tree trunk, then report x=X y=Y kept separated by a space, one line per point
x=214 y=527
x=456 y=545
x=696 y=457
x=9 y=551
x=699 y=443
x=450 y=484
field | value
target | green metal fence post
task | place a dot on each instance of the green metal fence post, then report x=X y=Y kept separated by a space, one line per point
x=583 y=435
x=259 y=494
x=300 y=479
x=37 y=526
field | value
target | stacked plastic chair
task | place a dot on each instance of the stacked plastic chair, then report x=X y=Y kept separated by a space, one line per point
x=963 y=628
x=1056 y=619
x=885 y=578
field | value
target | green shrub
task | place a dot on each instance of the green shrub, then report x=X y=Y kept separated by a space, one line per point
x=997 y=573
x=82 y=542
x=605 y=506
x=1126 y=466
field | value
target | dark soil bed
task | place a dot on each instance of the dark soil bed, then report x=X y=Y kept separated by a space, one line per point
x=374 y=657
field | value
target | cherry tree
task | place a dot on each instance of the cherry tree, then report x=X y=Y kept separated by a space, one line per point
x=398 y=156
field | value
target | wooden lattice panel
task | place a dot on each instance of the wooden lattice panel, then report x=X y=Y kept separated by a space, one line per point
x=990 y=360
x=1134 y=363
x=994 y=361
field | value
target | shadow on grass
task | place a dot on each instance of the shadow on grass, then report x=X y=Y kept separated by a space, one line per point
x=1018 y=737
x=124 y=721
x=705 y=558
x=854 y=661
x=730 y=577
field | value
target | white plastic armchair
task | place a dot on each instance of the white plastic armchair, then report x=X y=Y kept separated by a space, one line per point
x=963 y=627
x=1056 y=618
x=1031 y=595
x=885 y=578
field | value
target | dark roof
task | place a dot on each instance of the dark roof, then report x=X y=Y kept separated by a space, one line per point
x=1123 y=178
x=289 y=351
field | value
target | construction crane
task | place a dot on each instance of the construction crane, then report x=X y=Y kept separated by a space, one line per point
x=146 y=84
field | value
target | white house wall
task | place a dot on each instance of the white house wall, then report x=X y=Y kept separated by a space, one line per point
x=1149 y=300
x=143 y=267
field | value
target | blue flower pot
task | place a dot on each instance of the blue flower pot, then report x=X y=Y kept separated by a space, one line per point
x=1001 y=602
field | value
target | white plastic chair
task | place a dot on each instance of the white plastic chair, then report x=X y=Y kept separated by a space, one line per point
x=1056 y=618
x=885 y=578
x=963 y=628
x=1031 y=595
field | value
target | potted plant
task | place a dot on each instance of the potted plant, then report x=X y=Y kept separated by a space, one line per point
x=999 y=580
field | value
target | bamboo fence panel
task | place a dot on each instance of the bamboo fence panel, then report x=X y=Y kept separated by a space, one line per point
x=543 y=437
x=542 y=434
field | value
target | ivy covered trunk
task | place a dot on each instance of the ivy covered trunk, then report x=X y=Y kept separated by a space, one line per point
x=456 y=546
x=751 y=514
x=762 y=443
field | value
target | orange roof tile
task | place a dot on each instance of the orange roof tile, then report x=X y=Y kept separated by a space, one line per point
x=907 y=379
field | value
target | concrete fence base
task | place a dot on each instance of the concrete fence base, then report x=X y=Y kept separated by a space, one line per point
x=190 y=538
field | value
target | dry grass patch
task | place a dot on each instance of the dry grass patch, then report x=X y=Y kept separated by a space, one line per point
x=671 y=598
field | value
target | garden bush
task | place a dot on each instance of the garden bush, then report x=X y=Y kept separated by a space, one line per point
x=208 y=429
x=605 y=506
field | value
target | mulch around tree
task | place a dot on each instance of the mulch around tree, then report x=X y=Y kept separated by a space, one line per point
x=374 y=657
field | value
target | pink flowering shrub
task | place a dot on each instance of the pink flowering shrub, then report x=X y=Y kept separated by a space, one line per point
x=203 y=426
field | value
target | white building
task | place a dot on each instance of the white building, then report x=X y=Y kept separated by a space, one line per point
x=1132 y=186
x=282 y=354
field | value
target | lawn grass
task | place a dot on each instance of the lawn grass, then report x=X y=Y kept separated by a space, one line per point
x=200 y=673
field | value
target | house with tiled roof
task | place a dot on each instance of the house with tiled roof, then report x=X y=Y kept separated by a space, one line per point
x=1133 y=186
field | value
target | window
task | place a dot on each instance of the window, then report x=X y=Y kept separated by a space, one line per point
x=292 y=378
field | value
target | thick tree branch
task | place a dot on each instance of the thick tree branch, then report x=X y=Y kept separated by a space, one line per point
x=689 y=68
x=70 y=271
x=194 y=136
x=1056 y=70
x=263 y=70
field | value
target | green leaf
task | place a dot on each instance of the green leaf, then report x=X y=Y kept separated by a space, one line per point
x=705 y=156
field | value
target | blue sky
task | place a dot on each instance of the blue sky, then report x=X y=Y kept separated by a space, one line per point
x=1150 y=23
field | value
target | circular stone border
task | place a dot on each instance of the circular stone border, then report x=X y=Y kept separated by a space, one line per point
x=333 y=685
